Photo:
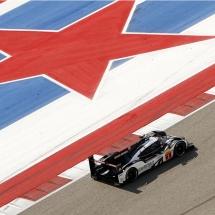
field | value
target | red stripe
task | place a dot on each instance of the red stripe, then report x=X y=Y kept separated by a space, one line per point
x=107 y=135
x=46 y=188
x=120 y=145
x=193 y=104
x=91 y=45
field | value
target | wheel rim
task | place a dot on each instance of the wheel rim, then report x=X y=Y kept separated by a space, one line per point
x=180 y=149
x=132 y=175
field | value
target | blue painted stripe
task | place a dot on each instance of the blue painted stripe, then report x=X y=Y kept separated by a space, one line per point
x=49 y=15
x=18 y=99
x=169 y=16
x=117 y=63
x=2 y=56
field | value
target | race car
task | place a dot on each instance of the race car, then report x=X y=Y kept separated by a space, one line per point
x=150 y=151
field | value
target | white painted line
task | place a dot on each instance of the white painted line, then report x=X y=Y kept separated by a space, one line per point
x=5 y=54
x=202 y=28
x=73 y=93
x=130 y=17
x=211 y=91
x=21 y=79
x=12 y=4
x=27 y=30
x=199 y=109
x=89 y=15
x=139 y=1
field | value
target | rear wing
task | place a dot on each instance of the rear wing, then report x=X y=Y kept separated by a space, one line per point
x=115 y=169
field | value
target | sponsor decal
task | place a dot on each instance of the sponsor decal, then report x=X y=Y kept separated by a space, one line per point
x=146 y=166
x=168 y=155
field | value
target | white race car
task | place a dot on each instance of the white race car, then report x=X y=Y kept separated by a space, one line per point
x=152 y=149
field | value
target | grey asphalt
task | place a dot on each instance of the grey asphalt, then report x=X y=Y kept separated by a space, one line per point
x=184 y=185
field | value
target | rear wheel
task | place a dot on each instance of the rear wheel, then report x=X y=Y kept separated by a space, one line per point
x=180 y=148
x=132 y=174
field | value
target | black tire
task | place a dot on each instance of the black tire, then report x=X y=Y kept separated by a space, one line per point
x=180 y=149
x=157 y=134
x=116 y=184
x=95 y=177
x=131 y=174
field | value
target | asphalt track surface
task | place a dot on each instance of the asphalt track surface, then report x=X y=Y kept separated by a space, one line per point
x=181 y=186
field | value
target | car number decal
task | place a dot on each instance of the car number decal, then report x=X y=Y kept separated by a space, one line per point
x=168 y=155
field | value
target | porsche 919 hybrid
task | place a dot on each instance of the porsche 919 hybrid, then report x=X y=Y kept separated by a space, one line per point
x=150 y=151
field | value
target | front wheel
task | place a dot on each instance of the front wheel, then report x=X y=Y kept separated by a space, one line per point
x=95 y=177
x=116 y=184
x=180 y=149
x=132 y=174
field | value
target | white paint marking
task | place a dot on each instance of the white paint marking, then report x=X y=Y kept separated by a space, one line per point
x=161 y=123
x=202 y=28
x=89 y=15
x=130 y=16
x=5 y=54
x=199 y=109
x=26 y=30
x=139 y=1
x=211 y=91
x=16 y=206
x=10 y=5
x=170 y=117
x=124 y=88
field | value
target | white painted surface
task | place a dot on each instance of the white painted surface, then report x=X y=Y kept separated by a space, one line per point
x=79 y=170
x=10 y=5
x=202 y=28
x=161 y=123
x=16 y=206
x=122 y=89
x=211 y=91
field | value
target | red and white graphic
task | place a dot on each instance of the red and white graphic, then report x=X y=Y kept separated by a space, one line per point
x=167 y=75
x=168 y=155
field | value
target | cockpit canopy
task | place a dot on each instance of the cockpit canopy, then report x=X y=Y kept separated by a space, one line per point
x=147 y=147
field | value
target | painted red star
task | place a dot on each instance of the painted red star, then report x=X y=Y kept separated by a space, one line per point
x=78 y=55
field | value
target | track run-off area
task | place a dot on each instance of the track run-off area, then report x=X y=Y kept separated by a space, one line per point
x=86 y=77
x=181 y=186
